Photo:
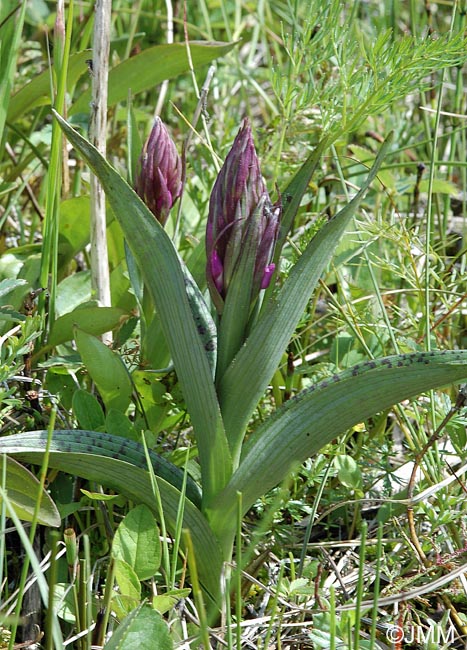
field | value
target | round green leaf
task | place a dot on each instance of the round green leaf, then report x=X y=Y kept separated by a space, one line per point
x=348 y=471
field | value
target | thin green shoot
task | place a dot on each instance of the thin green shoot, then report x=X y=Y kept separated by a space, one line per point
x=157 y=496
x=34 y=524
x=178 y=526
x=360 y=582
x=33 y=562
x=197 y=591
x=376 y=584
x=52 y=581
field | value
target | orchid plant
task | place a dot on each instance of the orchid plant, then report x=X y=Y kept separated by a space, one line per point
x=225 y=356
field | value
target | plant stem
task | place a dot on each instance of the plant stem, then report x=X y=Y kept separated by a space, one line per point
x=53 y=574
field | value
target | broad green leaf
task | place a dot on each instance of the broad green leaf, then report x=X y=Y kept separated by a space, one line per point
x=118 y=464
x=247 y=377
x=152 y=395
x=142 y=629
x=9 y=284
x=440 y=186
x=64 y=602
x=11 y=315
x=74 y=292
x=141 y=72
x=118 y=424
x=155 y=351
x=307 y=422
x=106 y=369
x=152 y=66
x=73 y=228
x=88 y=318
x=167 y=601
x=136 y=541
x=23 y=492
x=163 y=275
x=60 y=382
x=348 y=472
x=81 y=441
x=127 y=580
x=88 y=411
x=37 y=92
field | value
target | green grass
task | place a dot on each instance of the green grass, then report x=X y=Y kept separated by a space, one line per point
x=328 y=558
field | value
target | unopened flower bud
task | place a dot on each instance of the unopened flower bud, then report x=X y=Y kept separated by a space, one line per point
x=240 y=208
x=159 y=180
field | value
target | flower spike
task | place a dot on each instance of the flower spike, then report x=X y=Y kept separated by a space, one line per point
x=159 y=181
x=242 y=222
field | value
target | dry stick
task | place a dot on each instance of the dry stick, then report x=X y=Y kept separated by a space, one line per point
x=98 y=131
x=459 y=404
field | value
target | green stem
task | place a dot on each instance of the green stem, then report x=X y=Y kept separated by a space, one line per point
x=49 y=260
x=53 y=574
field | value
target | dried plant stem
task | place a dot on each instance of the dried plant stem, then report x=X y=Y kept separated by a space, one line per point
x=100 y=68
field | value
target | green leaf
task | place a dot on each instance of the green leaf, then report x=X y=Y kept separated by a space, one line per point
x=12 y=315
x=64 y=602
x=167 y=601
x=348 y=471
x=106 y=369
x=94 y=443
x=99 y=496
x=23 y=491
x=74 y=292
x=163 y=275
x=37 y=92
x=88 y=318
x=11 y=27
x=439 y=186
x=127 y=580
x=117 y=424
x=75 y=215
x=151 y=67
x=9 y=284
x=137 y=542
x=307 y=422
x=142 y=629
x=118 y=464
x=247 y=377
x=152 y=396
x=88 y=411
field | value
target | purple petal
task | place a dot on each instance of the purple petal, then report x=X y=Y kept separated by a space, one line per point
x=267 y=275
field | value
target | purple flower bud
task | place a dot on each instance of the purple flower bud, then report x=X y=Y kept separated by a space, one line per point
x=240 y=208
x=159 y=181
